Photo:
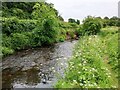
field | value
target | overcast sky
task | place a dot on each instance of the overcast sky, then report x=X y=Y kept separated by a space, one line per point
x=79 y=9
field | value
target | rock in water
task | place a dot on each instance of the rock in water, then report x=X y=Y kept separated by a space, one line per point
x=44 y=81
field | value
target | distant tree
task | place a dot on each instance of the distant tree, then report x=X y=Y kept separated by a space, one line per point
x=106 y=18
x=71 y=20
x=114 y=18
x=99 y=17
x=113 y=21
x=78 y=21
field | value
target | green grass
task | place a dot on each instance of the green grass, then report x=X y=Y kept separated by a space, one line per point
x=94 y=63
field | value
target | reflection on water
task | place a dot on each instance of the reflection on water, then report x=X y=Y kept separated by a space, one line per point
x=36 y=68
x=29 y=77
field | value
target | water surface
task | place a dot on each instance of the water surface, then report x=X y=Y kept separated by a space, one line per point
x=36 y=68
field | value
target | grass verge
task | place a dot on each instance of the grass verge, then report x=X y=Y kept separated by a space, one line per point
x=94 y=63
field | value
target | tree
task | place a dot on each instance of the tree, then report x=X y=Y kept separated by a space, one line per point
x=47 y=28
x=78 y=21
x=106 y=18
x=71 y=20
x=113 y=21
x=114 y=18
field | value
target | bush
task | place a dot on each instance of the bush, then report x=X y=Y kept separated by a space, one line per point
x=91 y=25
x=6 y=51
x=18 y=9
x=47 y=31
x=13 y=25
x=19 y=41
x=73 y=25
x=62 y=36
x=6 y=41
x=79 y=31
x=65 y=25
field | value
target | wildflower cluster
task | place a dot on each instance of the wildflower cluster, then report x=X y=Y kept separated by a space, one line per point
x=87 y=68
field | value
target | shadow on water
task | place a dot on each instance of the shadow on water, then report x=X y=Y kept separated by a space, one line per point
x=36 y=68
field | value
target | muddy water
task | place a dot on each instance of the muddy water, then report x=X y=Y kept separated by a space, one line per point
x=36 y=68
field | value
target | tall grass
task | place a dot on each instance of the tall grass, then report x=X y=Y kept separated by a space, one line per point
x=88 y=66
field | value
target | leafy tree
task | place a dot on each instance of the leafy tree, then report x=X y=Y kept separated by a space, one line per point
x=99 y=17
x=106 y=18
x=17 y=9
x=113 y=21
x=71 y=20
x=114 y=18
x=47 y=28
x=78 y=22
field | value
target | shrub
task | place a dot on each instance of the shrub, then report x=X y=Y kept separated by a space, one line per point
x=6 y=51
x=91 y=25
x=6 y=41
x=73 y=25
x=62 y=36
x=19 y=41
x=13 y=25
x=79 y=31
x=65 y=25
x=48 y=30
x=18 y=12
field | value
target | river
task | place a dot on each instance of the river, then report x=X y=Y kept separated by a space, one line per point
x=38 y=67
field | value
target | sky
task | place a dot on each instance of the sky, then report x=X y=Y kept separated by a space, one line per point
x=79 y=9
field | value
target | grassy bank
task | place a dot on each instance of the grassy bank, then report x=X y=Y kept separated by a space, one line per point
x=94 y=63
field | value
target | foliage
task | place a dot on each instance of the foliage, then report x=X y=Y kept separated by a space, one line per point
x=111 y=39
x=73 y=25
x=6 y=41
x=14 y=25
x=19 y=33
x=112 y=48
x=79 y=31
x=65 y=25
x=47 y=26
x=43 y=10
x=47 y=31
x=78 y=22
x=88 y=65
x=61 y=18
x=20 y=10
x=113 y=21
x=19 y=41
x=7 y=51
x=62 y=36
x=71 y=20
x=91 y=25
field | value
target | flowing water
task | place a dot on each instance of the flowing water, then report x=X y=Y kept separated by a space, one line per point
x=36 y=68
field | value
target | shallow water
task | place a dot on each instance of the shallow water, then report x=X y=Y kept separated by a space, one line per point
x=36 y=68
